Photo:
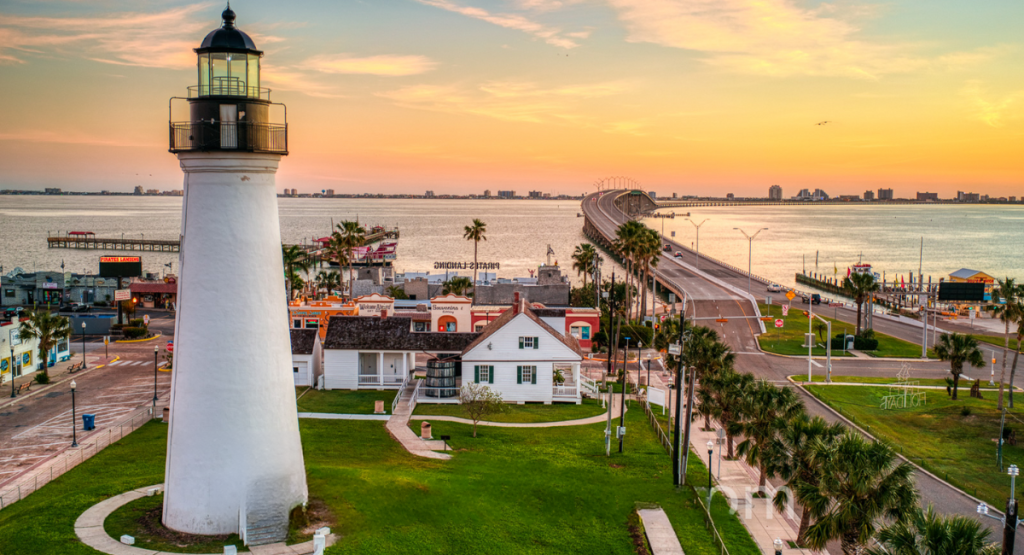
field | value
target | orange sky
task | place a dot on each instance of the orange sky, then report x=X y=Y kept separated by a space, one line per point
x=458 y=96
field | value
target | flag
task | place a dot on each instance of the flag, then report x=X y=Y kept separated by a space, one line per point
x=835 y=268
x=62 y=264
x=847 y=271
x=902 y=283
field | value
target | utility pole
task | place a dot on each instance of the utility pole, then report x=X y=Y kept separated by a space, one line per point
x=696 y=253
x=679 y=475
x=625 y=379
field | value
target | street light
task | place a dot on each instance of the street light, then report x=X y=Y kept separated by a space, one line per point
x=711 y=450
x=696 y=254
x=83 y=345
x=750 y=248
x=1009 y=520
x=625 y=378
x=778 y=546
x=74 y=416
x=156 y=351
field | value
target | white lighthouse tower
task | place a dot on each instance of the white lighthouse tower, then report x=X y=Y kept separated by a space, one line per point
x=234 y=458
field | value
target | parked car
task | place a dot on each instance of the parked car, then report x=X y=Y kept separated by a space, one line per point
x=11 y=311
x=678 y=254
x=80 y=307
x=813 y=299
x=774 y=288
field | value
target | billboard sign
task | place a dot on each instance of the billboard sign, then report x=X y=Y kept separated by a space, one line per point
x=123 y=295
x=120 y=266
x=953 y=291
x=656 y=396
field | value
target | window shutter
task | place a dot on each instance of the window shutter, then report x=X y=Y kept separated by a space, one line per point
x=536 y=342
x=476 y=374
x=533 y=379
x=520 y=342
x=519 y=374
x=490 y=374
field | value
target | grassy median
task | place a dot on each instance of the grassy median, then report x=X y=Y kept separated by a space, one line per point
x=956 y=440
x=788 y=340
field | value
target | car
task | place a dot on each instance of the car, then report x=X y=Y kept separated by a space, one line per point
x=12 y=311
x=80 y=307
x=678 y=254
x=668 y=248
x=813 y=299
x=774 y=288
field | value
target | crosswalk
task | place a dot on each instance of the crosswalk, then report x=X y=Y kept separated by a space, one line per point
x=130 y=363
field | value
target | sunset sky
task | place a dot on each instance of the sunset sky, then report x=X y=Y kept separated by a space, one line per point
x=457 y=96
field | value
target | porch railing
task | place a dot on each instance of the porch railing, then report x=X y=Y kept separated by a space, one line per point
x=589 y=386
x=372 y=379
x=565 y=391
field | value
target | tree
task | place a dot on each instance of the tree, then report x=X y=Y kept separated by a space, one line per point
x=478 y=401
x=582 y=296
x=396 y=292
x=328 y=281
x=723 y=395
x=860 y=482
x=793 y=460
x=583 y=260
x=860 y=287
x=667 y=334
x=1008 y=292
x=1019 y=312
x=627 y=244
x=348 y=236
x=48 y=329
x=456 y=285
x=958 y=349
x=708 y=355
x=475 y=233
x=928 y=533
x=766 y=413
x=821 y=328
x=295 y=261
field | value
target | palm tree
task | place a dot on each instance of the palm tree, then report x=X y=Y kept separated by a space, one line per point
x=328 y=281
x=396 y=292
x=626 y=243
x=860 y=287
x=348 y=236
x=475 y=233
x=708 y=355
x=456 y=285
x=860 y=482
x=1019 y=312
x=668 y=333
x=958 y=348
x=48 y=329
x=793 y=459
x=928 y=533
x=765 y=415
x=1008 y=292
x=723 y=395
x=584 y=259
x=295 y=261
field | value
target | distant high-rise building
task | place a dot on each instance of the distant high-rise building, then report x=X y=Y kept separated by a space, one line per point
x=967 y=197
x=774 y=192
x=869 y=195
x=804 y=194
x=927 y=196
x=429 y=194
x=820 y=194
x=885 y=194
x=1013 y=199
x=52 y=191
x=536 y=194
x=506 y=194
x=653 y=194
x=329 y=193
x=487 y=193
x=730 y=196
x=138 y=190
x=675 y=195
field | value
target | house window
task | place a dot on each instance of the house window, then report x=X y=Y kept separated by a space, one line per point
x=8 y=292
x=297 y=323
x=480 y=327
x=483 y=374
x=312 y=324
x=421 y=326
x=585 y=331
x=295 y=369
x=527 y=374
x=529 y=343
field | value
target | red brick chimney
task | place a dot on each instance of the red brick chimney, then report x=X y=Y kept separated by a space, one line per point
x=515 y=302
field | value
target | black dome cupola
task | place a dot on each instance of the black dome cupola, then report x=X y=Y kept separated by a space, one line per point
x=228 y=109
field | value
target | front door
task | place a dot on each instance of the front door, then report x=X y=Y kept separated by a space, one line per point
x=228 y=126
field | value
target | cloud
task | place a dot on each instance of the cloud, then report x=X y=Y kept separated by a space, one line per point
x=70 y=137
x=550 y=35
x=282 y=79
x=514 y=101
x=769 y=37
x=991 y=112
x=371 y=65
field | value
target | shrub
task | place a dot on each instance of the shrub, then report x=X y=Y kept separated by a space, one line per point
x=131 y=332
x=42 y=378
x=137 y=322
x=965 y=411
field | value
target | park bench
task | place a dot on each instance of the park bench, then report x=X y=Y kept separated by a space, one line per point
x=74 y=368
x=24 y=387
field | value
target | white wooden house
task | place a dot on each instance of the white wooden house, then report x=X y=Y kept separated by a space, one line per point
x=306 y=356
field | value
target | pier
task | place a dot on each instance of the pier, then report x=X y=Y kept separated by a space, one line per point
x=89 y=242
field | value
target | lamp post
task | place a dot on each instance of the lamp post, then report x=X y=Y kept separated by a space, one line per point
x=83 y=345
x=711 y=450
x=622 y=405
x=74 y=417
x=778 y=546
x=648 y=376
x=156 y=351
x=696 y=253
x=750 y=249
x=1009 y=520
x=678 y=451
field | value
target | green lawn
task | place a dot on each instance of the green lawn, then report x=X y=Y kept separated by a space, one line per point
x=125 y=521
x=532 y=412
x=960 y=449
x=548 y=490
x=872 y=380
x=345 y=402
x=788 y=339
x=997 y=340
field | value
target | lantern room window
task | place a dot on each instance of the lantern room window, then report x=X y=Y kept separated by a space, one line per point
x=229 y=74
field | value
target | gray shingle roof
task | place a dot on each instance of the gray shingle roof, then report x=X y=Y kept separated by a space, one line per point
x=390 y=334
x=303 y=341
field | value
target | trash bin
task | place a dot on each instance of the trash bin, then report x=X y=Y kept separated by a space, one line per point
x=425 y=430
x=88 y=422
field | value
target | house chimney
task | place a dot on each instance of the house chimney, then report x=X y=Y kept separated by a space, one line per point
x=515 y=302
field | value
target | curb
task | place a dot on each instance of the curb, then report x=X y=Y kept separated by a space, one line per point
x=849 y=423
x=157 y=336
x=55 y=384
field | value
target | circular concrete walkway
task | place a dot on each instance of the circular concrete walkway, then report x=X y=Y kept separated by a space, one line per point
x=89 y=529
x=616 y=402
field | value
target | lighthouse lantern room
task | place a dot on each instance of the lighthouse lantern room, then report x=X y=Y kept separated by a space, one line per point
x=228 y=109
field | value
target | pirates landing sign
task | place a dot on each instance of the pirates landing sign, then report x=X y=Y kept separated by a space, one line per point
x=467 y=265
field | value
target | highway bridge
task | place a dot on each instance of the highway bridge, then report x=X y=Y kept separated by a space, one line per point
x=719 y=290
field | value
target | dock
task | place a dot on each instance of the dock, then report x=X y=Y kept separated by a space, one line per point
x=113 y=244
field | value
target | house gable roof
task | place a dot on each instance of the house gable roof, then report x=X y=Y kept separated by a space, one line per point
x=965 y=273
x=390 y=334
x=303 y=341
x=509 y=315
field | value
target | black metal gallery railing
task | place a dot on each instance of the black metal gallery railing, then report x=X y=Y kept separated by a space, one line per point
x=242 y=136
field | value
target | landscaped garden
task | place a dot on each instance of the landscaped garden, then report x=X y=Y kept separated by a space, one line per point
x=956 y=440
x=343 y=401
x=789 y=339
x=542 y=490
x=530 y=412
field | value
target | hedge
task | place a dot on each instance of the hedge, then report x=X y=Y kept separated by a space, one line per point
x=132 y=332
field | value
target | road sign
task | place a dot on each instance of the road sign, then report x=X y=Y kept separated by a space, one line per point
x=721 y=320
x=833 y=305
x=673 y=233
x=785 y=310
x=790 y=294
x=673 y=349
x=768 y=300
x=671 y=298
x=145 y=319
x=106 y=340
x=778 y=323
x=662 y=317
x=122 y=295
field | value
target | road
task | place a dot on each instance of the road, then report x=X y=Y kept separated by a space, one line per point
x=712 y=300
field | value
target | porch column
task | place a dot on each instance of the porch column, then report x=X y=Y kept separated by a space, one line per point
x=576 y=380
x=405 y=366
x=380 y=369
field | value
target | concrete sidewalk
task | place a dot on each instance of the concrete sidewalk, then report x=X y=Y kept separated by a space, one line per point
x=58 y=375
x=599 y=419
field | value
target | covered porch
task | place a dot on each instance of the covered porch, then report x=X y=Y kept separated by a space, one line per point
x=385 y=369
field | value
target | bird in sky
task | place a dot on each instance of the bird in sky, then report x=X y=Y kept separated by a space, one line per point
x=823 y=122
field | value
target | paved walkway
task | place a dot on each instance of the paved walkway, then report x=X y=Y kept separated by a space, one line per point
x=659 y=532
x=601 y=418
x=89 y=529
x=398 y=427
x=58 y=375
x=334 y=416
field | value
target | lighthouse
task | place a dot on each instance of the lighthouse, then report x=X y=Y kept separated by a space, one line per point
x=234 y=457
